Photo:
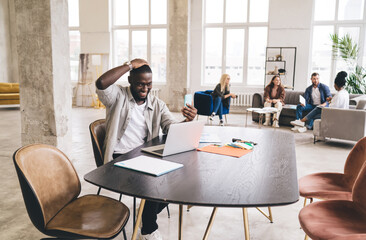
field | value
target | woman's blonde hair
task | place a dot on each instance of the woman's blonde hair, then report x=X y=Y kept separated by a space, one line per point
x=222 y=82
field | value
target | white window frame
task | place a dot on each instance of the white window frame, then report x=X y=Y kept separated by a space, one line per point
x=225 y=26
x=145 y=27
x=337 y=24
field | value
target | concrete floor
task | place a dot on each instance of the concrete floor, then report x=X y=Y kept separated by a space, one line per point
x=15 y=224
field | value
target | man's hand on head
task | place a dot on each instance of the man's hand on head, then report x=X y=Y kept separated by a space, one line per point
x=189 y=112
x=138 y=62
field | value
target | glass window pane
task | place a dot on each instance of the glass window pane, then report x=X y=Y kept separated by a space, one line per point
x=120 y=12
x=214 y=11
x=236 y=11
x=139 y=12
x=256 y=55
x=74 y=54
x=354 y=32
x=74 y=13
x=121 y=49
x=158 y=11
x=258 y=11
x=235 y=54
x=324 y=10
x=213 y=55
x=139 y=44
x=158 y=54
x=322 y=52
x=350 y=9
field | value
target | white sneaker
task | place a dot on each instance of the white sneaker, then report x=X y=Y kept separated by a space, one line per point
x=211 y=117
x=295 y=129
x=153 y=236
x=275 y=124
x=297 y=122
x=266 y=123
x=302 y=129
x=221 y=123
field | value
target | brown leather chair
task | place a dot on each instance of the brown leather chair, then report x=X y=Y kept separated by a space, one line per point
x=335 y=186
x=337 y=219
x=51 y=188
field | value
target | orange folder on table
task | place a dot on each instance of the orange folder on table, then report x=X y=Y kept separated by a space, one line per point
x=225 y=150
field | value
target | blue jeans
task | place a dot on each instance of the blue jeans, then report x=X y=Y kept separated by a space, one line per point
x=217 y=108
x=316 y=113
x=300 y=109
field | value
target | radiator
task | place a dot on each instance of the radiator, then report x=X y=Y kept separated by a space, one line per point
x=155 y=92
x=242 y=100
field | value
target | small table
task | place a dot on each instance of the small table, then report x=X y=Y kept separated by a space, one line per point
x=267 y=176
x=261 y=112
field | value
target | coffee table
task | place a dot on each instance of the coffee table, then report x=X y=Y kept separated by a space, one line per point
x=261 y=112
x=265 y=177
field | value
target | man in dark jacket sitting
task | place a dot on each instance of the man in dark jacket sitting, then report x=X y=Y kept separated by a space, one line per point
x=317 y=94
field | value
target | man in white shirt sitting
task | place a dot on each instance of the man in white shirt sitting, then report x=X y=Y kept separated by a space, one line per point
x=133 y=116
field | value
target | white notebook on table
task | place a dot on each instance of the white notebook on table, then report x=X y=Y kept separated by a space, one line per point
x=149 y=165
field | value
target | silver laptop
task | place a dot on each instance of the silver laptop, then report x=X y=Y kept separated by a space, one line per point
x=181 y=137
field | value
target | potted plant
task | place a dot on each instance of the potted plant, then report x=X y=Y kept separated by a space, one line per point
x=344 y=48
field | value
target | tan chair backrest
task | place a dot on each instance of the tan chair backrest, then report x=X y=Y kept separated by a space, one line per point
x=46 y=176
x=97 y=134
x=355 y=160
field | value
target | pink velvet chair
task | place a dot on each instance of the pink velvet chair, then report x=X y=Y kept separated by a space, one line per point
x=335 y=186
x=337 y=219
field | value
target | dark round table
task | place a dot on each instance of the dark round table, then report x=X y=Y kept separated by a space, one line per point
x=265 y=177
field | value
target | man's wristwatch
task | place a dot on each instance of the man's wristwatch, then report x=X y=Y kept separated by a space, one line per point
x=129 y=64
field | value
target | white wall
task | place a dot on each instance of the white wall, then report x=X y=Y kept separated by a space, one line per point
x=290 y=26
x=94 y=26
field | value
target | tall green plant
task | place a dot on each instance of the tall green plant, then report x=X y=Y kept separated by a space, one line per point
x=344 y=48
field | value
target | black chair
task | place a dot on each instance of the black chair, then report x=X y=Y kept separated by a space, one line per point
x=51 y=188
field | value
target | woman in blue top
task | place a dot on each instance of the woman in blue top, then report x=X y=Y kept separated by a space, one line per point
x=221 y=96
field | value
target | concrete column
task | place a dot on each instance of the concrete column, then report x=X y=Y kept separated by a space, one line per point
x=178 y=57
x=44 y=72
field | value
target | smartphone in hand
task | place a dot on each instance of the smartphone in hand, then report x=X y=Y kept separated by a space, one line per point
x=188 y=99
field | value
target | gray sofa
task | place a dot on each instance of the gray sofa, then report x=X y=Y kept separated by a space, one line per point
x=345 y=124
x=288 y=113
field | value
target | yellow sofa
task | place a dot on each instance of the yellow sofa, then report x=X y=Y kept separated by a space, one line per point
x=9 y=93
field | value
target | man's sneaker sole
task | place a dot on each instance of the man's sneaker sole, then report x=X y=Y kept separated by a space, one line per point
x=302 y=130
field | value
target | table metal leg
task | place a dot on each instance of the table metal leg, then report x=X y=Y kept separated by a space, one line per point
x=246 y=223
x=209 y=226
x=138 y=220
x=269 y=216
x=180 y=221
x=260 y=120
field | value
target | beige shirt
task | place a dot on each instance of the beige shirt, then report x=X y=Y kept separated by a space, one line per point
x=119 y=101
